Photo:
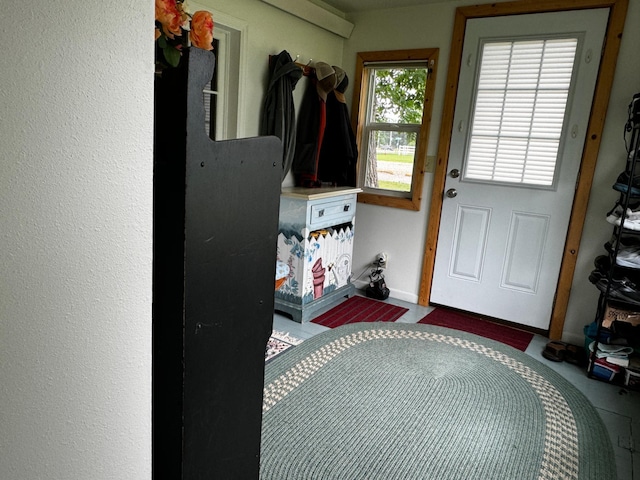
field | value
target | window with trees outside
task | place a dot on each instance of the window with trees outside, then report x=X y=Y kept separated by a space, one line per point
x=393 y=97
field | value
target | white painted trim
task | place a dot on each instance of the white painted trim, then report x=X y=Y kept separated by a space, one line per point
x=222 y=112
x=315 y=14
x=242 y=81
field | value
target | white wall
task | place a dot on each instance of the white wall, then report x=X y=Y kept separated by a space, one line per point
x=76 y=122
x=402 y=233
x=268 y=32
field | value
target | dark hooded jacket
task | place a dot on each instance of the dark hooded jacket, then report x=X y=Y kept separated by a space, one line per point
x=278 y=116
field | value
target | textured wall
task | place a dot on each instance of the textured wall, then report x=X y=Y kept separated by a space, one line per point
x=76 y=122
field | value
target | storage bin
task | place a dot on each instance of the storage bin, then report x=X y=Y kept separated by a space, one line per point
x=604 y=370
x=632 y=378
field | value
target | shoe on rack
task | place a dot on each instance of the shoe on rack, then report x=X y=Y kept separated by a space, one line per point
x=632 y=212
x=627 y=241
x=597 y=276
x=628 y=257
x=626 y=268
x=602 y=263
x=623 y=289
x=631 y=218
x=622 y=184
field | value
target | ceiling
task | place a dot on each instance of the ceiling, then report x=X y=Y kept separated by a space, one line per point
x=348 y=6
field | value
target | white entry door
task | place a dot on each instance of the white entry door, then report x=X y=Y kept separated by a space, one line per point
x=524 y=97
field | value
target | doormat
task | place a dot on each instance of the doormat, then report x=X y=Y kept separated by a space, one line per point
x=360 y=309
x=278 y=343
x=445 y=317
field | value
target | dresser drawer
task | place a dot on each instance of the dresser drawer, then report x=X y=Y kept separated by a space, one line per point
x=334 y=212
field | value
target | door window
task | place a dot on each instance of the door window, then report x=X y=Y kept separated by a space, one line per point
x=519 y=110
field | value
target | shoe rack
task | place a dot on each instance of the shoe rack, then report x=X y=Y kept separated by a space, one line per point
x=613 y=339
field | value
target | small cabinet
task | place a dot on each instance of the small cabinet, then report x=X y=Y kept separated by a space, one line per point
x=315 y=239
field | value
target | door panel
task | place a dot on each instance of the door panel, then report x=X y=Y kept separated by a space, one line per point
x=525 y=249
x=500 y=245
x=470 y=242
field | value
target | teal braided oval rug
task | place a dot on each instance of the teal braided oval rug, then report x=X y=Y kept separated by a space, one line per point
x=410 y=401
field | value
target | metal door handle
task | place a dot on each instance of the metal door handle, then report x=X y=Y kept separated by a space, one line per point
x=451 y=193
x=455 y=173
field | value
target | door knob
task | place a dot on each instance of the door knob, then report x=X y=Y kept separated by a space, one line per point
x=451 y=193
x=455 y=173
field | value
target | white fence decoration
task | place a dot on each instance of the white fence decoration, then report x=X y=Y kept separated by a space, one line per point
x=329 y=252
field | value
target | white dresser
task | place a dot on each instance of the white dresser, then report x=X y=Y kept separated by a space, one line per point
x=316 y=231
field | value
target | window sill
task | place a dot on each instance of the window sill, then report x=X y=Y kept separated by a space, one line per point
x=387 y=201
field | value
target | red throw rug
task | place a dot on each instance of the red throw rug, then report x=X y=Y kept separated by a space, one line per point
x=444 y=317
x=360 y=309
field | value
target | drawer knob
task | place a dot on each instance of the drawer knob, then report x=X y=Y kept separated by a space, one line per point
x=321 y=213
x=346 y=208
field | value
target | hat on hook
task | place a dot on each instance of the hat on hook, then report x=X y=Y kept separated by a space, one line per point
x=326 y=76
x=323 y=70
x=340 y=74
x=341 y=84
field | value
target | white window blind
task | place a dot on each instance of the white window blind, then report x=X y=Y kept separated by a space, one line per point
x=519 y=111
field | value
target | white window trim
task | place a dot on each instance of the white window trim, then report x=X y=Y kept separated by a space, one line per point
x=369 y=125
x=380 y=197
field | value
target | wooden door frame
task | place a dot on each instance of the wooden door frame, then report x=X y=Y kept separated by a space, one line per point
x=617 y=15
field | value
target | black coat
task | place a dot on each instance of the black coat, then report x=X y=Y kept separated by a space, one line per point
x=278 y=116
x=339 y=151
